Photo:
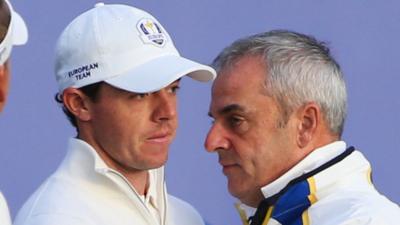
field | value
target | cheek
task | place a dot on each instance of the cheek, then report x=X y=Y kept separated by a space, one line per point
x=248 y=155
x=258 y=153
x=117 y=122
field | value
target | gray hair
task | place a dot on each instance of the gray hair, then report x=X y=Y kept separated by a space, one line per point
x=299 y=70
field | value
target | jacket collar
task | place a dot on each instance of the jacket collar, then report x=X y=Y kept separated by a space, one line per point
x=314 y=160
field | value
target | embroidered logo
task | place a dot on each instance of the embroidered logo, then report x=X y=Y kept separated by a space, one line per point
x=151 y=32
x=83 y=71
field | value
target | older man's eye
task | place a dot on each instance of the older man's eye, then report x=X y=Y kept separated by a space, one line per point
x=235 y=121
x=238 y=124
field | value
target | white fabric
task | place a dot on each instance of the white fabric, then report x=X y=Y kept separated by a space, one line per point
x=123 y=46
x=344 y=193
x=345 y=196
x=4 y=213
x=309 y=163
x=314 y=160
x=84 y=191
x=150 y=201
x=17 y=34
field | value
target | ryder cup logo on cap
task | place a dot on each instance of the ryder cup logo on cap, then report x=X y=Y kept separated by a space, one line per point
x=123 y=46
x=17 y=33
x=151 y=32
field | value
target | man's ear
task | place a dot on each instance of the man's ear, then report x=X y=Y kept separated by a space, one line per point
x=309 y=117
x=4 y=83
x=77 y=103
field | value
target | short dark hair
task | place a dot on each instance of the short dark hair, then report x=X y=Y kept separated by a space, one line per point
x=91 y=91
x=5 y=19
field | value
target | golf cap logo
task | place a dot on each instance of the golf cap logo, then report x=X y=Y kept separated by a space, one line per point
x=151 y=32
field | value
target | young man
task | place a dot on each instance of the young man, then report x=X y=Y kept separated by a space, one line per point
x=118 y=72
x=13 y=31
x=279 y=105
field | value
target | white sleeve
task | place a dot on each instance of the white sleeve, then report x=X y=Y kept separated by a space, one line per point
x=4 y=213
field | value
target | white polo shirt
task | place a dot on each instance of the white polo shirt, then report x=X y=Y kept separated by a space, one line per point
x=85 y=191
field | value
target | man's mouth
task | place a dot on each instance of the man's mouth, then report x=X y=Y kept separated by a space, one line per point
x=160 y=138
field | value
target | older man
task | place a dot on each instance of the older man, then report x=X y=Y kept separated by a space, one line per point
x=279 y=105
x=12 y=32
x=118 y=73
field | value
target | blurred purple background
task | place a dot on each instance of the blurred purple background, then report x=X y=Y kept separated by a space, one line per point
x=364 y=37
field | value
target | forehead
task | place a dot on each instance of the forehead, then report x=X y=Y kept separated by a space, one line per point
x=251 y=69
x=240 y=85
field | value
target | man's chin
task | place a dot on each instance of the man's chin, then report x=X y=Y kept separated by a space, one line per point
x=154 y=164
x=236 y=190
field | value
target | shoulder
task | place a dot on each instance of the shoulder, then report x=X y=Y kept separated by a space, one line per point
x=4 y=214
x=182 y=212
x=51 y=203
x=349 y=208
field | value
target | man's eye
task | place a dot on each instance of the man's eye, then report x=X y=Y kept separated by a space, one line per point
x=140 y=95
x=174 y=89
x=234 y=121
x=238 y=124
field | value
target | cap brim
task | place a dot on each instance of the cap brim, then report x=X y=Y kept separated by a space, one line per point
x=159 y=73
x=20 y=35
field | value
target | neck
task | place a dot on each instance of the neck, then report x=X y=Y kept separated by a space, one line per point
x=252 y=198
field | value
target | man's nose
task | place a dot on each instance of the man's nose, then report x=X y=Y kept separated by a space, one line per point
x=166 y=107
x=216 y=138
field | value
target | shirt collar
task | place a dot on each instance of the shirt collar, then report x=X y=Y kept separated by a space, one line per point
x=83 y=155
x=86 y=149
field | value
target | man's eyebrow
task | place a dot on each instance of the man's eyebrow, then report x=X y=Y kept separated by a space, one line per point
x=227 y=109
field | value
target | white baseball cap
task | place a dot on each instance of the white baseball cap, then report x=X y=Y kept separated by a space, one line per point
x=17 y=34
x=123 y=46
